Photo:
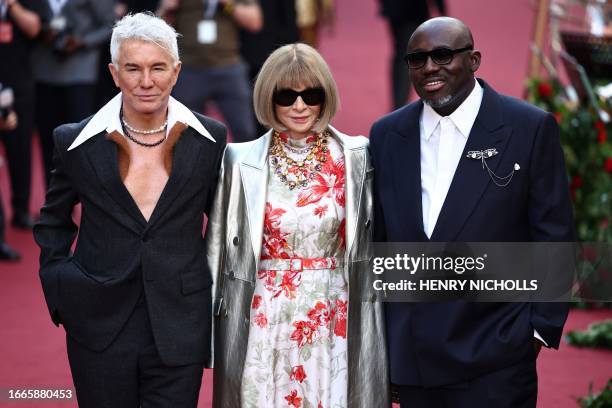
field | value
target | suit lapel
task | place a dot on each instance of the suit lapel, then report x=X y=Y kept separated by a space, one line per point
x=102 y=155
x=406 y=170
x=185 y=158
x=471 y=179
x=254 y=178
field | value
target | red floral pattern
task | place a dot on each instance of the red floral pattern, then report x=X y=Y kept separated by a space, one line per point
x=268 y=278
x=298 y=318
x=298 y=374
x=289 y=284
x=340 y=318
x=261 y=320
x=319 y=315
x=305 y=333
x=329 y=182
x=320 y=211
x=275 y=242
x=293 y=400
x=256 y=302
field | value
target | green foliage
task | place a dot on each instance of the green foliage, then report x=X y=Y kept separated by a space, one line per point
x=597 y=335
x=587 y=146
x=600 y=400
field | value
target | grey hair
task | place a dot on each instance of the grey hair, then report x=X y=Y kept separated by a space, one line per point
x=144 y=27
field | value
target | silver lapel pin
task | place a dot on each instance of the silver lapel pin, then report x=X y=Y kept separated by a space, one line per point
x=485 y=154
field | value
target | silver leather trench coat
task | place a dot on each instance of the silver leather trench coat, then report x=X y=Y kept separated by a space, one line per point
x=234 y=236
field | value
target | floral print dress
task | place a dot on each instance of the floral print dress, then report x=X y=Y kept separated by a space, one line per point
x=297 y=347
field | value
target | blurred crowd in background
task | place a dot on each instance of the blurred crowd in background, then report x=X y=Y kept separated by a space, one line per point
x=54 y=56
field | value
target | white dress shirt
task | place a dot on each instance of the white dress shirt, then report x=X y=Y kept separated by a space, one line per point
x=443 y=139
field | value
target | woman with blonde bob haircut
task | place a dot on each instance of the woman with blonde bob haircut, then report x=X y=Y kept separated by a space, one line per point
x=297 y=323
x=289 y=67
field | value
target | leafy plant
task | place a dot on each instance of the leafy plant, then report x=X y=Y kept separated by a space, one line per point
x=600 y=400
x=597 y=335
x=588 y=157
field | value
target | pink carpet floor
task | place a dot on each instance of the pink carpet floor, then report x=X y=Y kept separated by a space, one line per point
x=32 y=350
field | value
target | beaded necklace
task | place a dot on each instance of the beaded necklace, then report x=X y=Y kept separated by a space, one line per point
x=124 y=127
x=298 y=173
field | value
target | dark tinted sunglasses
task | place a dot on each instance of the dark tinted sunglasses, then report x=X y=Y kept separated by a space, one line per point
x=310 y=96
x=441 y=56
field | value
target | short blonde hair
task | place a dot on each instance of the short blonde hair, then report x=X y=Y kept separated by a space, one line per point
x=292 y=66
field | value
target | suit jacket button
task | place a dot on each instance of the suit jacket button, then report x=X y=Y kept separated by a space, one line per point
x=367 y=224
x=231 y=275
x=235 y=241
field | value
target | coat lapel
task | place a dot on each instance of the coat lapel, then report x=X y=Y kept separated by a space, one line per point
x=254 y=178
x=405 y=163
x=355 y=170
x=102 y=155
x=185 y=157
x=471 y=179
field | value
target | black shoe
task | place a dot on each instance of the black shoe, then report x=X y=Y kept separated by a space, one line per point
x=7 y=253
x=23 y=221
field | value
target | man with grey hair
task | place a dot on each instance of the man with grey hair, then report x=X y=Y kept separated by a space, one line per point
x=134 y=298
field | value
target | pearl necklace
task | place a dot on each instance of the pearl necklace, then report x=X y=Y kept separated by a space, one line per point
x=138 y=142
x=125 y=127
x=144 y=132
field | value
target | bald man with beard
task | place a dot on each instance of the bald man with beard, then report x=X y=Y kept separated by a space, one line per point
x=456 y=353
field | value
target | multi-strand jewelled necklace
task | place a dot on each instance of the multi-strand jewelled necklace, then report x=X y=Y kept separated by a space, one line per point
x=126 y=126
x=298 y=173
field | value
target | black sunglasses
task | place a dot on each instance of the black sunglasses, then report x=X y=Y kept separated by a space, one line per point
x=441 y=56
x=310 y=96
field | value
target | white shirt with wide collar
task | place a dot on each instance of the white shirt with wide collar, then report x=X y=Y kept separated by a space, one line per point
x=107 y=119
x=440 y=158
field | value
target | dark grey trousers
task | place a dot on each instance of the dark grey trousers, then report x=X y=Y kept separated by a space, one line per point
x=130 y=373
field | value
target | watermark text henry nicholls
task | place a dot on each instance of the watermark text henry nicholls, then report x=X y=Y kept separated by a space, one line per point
x=491 y=272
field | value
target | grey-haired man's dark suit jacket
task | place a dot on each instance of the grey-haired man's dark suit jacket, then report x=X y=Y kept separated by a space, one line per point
x=119 y=254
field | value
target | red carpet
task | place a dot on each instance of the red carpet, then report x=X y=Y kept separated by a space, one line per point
x=32 y=350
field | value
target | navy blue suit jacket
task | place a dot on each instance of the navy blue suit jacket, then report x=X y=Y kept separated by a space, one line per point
x=433 y=344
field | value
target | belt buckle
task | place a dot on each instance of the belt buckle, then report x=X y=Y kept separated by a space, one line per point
x=295 y=264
